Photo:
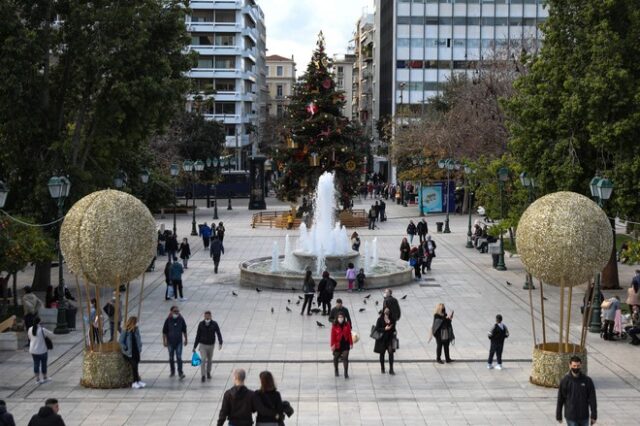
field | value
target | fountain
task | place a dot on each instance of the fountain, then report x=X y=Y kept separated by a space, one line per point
x=323 y=246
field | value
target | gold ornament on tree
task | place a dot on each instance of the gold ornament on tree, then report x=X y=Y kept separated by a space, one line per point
x=563 y=239
x=351 y=165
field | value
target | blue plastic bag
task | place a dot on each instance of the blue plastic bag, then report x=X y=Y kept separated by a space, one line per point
x=196 y=360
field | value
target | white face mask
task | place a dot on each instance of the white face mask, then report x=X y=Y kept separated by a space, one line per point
x=175 y=316
x=340 y=320
x=207 y=321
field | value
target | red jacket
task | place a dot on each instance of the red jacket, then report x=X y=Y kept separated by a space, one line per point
x=337 y=332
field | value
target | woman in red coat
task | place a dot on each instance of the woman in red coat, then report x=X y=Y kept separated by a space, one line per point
x=341 y=343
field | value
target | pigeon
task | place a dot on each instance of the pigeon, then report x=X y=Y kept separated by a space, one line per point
x=298 y=302
x=258 y=290
x=361 y=310
x=365 y=301
x=288 y=300
x=300 y=297
x=367 y=296
x=234 y=293
x=315 y=310
x=403 y=297
x=293 y=289
x=272 y=310
x=544 y=298
x=287 y=308
x=376 y=303
x=508 y=283
x=319 y=324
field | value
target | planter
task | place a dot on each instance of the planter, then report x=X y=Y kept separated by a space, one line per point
x=12 y=340
x=105 y=368
x=549 y=366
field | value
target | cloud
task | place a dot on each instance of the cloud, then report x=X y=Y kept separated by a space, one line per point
x=293 y=26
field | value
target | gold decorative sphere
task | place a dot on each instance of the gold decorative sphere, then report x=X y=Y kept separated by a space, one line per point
x=564 y=236
x=108 y=237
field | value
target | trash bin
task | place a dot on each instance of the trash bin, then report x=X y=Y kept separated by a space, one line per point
x=72 y=311
x=439 y=226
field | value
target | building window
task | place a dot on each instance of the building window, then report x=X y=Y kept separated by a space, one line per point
x=205 y=62
x=279 y=90
x=279 y=111
x=225 y=16
x=225 y=62
x=225 y=40
x=230 y=129
x=225 y=85
x=225 y=108
x=202 y=39
x=279 y=71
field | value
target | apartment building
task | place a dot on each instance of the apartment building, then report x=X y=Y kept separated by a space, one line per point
x=363 y=73
x=230 y=39
x=281 y=79
x=343 y=76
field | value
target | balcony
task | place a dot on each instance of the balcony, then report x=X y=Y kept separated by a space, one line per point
x=210 y=27
x=219 y=50
x=249 y=10
x=215 y=4
x=250 y=54
x=251 y=33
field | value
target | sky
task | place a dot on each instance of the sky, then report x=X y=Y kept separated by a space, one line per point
x=293 y=26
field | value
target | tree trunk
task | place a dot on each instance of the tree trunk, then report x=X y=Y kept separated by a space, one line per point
x=41 y=276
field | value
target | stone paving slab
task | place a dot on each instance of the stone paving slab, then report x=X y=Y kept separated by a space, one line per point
x=296 y=350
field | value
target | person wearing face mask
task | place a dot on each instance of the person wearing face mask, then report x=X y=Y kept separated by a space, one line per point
x=339 y=309
x=206 y=338
x=442 y=330
x=391 y=303
x=387 y=326
x=577 y=395
x=341 y=343
x=174 y=330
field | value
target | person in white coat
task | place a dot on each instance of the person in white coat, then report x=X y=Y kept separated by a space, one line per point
x=39 y=350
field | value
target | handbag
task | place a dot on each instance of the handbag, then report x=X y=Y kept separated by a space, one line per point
x=287 y=408
x=196 y=360
x=395 y=343
x=375 y=333
x=606 y=304
x=412 y=261
x=170 y=294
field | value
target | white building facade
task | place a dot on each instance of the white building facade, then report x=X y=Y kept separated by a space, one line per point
x=230 y=39
x=344 y=78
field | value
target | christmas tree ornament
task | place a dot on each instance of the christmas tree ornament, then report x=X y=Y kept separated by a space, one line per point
x=351 y=165
x=326 y=83
x=313 y=159
x=312 y=108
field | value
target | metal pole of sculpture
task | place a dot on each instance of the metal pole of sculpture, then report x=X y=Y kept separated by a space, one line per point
x=544 y=323
x=126 y=304
x=533 y=323
x=560 y=346
x=568 y=319
x=140 y=298
x=88 y=294
x=84 y=326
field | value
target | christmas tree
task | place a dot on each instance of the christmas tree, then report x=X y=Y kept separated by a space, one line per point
x=317 y=138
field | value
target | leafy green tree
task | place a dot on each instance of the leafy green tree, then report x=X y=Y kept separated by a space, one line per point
x=319 y=138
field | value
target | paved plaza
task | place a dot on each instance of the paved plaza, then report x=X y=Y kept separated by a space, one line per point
x=297 y=351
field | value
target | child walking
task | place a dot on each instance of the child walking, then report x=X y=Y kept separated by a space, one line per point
x=351 y=276
x=497 y=334
x=360 y=279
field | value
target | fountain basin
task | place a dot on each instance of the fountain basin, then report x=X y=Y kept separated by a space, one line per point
x=333 y=264
x=257 y=273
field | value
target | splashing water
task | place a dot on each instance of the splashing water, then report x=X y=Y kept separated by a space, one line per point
x=275 y=257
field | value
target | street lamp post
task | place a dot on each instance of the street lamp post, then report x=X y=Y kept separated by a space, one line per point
x=193 y=167
x=175 y=171
x=503 y=176
x=232 y=162
x=420 y=163
x=529 y=183
x=601 y=189
x=469 y=172
x=448 y=164
x=59 y=187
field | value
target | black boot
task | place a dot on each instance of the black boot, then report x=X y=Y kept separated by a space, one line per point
x=382 y=368
x=346 y=370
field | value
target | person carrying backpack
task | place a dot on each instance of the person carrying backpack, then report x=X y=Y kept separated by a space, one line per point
x=497 y=334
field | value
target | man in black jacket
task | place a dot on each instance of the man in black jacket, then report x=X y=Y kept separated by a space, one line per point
x=423 y=230
x=171 y=246
x=173 y=332
x=239 y=404
x=339 y=309
x=391 y=303
x=6 y=419
x=48 y=415
x=577 y=394
x=206 y=338
x=215 y=251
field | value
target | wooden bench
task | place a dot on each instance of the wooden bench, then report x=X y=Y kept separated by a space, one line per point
x=7 y=324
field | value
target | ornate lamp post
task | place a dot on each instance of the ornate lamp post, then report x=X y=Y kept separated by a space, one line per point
x=601 y=189
x=419 y=162
x=175 y=171
x=232 y=163
x=120 y=180
x=193 y=167
x=469 y=172
x=503 y=176
x=528 y=183
x=4 y=191
x=59 y=187
x=144 y=176
x=448 y=164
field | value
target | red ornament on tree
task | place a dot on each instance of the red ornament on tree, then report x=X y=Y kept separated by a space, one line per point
x=326 y=83
x=312 y=108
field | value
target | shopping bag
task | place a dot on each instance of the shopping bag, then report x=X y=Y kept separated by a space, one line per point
x=170 y=294
x=196 y=360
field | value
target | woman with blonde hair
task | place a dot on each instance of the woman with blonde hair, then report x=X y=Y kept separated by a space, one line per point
x=442 y=330
x=131 y=346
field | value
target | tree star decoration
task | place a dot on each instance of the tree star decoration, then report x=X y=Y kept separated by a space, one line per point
x=564 y=236
x=109 y=237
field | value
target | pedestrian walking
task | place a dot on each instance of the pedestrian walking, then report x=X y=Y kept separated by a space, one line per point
x=355 y=241
x=341 y=344
x=415 y=261
x=350 y=276
x=339 y=309
x=411 y=231
x=39 y=350
x=497 y=334
x=360 y=279
x=391 y=303
x=171 y=245
x=167 y=280
x=216 y=250
x=174 y=332
x=442 y=330
x=430 y=251
x=325 y=292
x=632 y=293
x=206 y=338
x=185 y=252
x=162 y=241
x=381 y=211
x=95 y=322
x=422 y=229
x=48 y=415
x=372 y=217
x=268 y=397
x=386 y=328
x=577 y=394
x=309 y=289
x=405 y=250
x=205 y=233
x=6 y=419
x=110 y=309
x=131 y=347
x=220 y=231
x=610 y=306
x=176 y=279
x=31 y=305
x=237 y=403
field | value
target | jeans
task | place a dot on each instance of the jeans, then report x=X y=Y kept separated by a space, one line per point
x=185 y=262
x=175 y=351
x=496 y=348
x=216 y=262
x=177 y=288
x=578 y=422
x=411 y=238
x=206 y=353
x=308 y=298
x=40 y=363
x=372 y=223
